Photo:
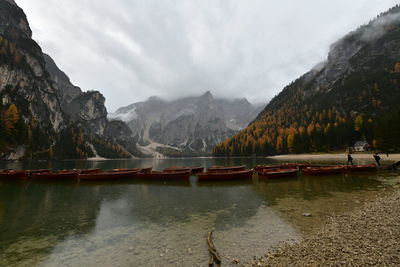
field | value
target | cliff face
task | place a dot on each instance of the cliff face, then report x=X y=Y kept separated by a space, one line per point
x=186 y=127
x=85 y=108
x=338 y=102
x=42 y=114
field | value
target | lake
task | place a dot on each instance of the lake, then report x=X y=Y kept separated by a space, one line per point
x=136 y=223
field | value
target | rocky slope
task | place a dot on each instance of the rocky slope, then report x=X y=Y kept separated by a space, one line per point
x=185 y=127
x=353 y=95
x=42 y=114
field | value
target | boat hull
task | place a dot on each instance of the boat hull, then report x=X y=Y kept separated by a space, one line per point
x=56 y=175
x=193 y=170
x=282 y=166
x=268 y=167
x=362 y=168
x=14 y=175
x=139 y=170
x=282 y=173
x=323 y=170
x=226 y=169
x=86 y=171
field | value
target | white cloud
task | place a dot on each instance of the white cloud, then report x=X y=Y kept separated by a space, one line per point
x=130 y=50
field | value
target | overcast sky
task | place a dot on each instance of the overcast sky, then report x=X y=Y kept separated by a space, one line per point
x=132 y=49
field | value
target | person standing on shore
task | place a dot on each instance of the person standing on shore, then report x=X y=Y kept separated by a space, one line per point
x=349 y=159
x=377 y=159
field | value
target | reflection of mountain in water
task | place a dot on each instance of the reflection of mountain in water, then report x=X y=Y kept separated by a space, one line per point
x=76 y=211
x=164 y=203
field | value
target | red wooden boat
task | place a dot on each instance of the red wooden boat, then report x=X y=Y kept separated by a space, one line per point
x=181 y=175
x=194 y=170
x=225 y=175
x=145 y=170
x=108 y=175
x=65 y=174
x=282 y=166
x=86 y=171
x=268 y=167
x=140 y=170
x=362 y=168
x=37 y=171
x=297 y=165
x=226 y=169
x=323 y=170
x=17 y=175
x=278 y=173
x=177 y=169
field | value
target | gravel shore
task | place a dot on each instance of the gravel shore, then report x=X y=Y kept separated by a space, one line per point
x=368 y=236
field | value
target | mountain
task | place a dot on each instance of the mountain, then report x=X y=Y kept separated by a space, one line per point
x=43 y=115
x=354 y=95
x=190 y=126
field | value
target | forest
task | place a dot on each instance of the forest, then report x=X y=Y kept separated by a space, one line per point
x=296 y=123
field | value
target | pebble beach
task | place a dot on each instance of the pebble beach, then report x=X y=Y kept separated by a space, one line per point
x=369 y=236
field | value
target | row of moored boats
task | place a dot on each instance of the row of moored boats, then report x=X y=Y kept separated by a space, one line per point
x=292 y=169
x=182 y=173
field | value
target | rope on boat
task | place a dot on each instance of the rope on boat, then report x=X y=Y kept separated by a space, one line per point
x=214 y=255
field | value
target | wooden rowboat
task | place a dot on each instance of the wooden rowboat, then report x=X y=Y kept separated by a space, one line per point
x=323 y=170
x=297 y=165
x=278 y=173
x=194 y=170
x=86 y=171
x=282 y=166
x=225 y=175
x=362 y=168
x=65 y=174
x=177 y=169
x=17 y=175
x=226 y=169
x=268 y=167
x=37 y=171
x=108 y=175
x=140 y=170
x=181 y=175
x=145 y=170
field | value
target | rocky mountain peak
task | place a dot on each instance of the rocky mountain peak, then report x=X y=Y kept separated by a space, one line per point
x=189 y=126
x=155 y=99
x=207 y=96
x=13 y=21
x=55 y=118
x=242 y=101
x=65 y=89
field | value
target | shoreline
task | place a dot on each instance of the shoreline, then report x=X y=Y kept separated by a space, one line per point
x=335 y=156
x=366 y=236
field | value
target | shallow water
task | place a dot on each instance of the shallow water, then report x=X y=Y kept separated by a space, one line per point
x=136 y=223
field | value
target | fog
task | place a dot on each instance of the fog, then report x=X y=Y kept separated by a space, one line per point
x=130 y=50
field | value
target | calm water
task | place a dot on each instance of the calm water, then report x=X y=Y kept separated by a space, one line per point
x=132 y=223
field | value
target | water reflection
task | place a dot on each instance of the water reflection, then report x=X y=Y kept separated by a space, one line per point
x=134 y=221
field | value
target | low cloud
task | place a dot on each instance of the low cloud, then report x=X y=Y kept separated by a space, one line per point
x=130 y=50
